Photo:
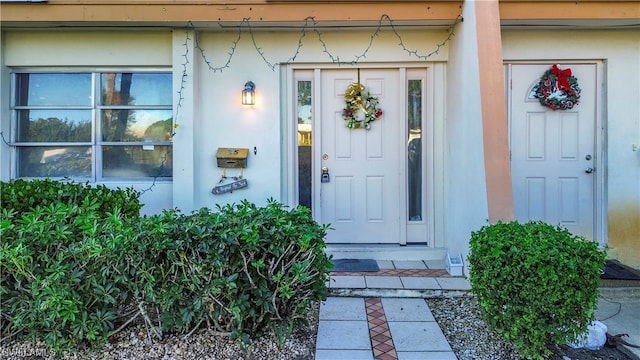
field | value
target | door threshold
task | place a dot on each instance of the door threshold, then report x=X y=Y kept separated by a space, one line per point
x=385 y=252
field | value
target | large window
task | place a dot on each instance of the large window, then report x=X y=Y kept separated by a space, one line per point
x=93 y=125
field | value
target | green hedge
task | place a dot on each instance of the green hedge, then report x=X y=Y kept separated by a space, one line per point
x=537 y=284
x=68 y=269
x=23 y=195
x=60 y=242
x=240 y=268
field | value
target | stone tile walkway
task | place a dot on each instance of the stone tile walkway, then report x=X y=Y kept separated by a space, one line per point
x=377 y=320
x=383 y=315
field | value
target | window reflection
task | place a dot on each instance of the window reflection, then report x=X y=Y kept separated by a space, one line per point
x=54 y=161
x=138 y=89
x=42 y=89
x=64 y=130
x=137 y=161
x=136 y=108
x=54 y=125
x=305 y=117
x=136 y=125
x=414 y=150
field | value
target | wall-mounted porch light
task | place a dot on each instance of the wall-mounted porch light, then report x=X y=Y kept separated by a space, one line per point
x=249 y=93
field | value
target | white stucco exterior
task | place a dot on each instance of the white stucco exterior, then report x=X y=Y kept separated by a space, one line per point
x=466 y=210
x=209 y=115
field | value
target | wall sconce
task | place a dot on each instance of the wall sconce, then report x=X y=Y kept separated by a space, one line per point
x=249 y=93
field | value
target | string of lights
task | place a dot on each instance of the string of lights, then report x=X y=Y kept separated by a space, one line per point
x=183 y=80
x=159 y=173
x=310 y=24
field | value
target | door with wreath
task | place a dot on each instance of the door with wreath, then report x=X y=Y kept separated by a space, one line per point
x=363 y=195
x=554 y=164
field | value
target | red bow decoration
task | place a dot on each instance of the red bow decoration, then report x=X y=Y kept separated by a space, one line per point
x=563 y=83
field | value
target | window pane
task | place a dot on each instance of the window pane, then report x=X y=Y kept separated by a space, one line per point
x=136 y=125
x=53 y=89
x=414 y=150
x=54 y=126
x=305 y=118
x=304 y=113
x=136 y=89
x=50 y=161
x=137 y=161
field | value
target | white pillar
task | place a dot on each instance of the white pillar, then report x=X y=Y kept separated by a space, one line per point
x=184 y=105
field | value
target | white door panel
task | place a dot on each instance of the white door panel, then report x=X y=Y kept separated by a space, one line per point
x=362 y=201
x=552 y=152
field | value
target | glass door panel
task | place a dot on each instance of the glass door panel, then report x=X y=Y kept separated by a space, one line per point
x=305 y=118
x=414 y=150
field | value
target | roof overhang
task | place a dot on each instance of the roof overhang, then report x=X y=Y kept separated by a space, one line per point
x=577 y=14
x=283 y=14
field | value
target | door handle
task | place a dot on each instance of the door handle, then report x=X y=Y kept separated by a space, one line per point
x=325 y=175
x=589 y=170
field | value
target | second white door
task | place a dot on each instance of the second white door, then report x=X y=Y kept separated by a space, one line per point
x=553 y=152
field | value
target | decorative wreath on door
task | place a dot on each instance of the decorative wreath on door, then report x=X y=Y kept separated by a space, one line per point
x=361 y=107
x=558 y=89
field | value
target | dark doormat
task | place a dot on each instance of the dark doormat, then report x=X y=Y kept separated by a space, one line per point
x=354 y=265
x=613 y=269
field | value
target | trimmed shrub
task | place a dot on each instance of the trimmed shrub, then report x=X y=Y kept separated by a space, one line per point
x=58 y=279
x=241 y=269
x=537 y=284
x=75 y=271
x=22 y=195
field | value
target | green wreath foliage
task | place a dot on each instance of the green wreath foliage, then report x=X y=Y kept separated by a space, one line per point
x=558 y=89
x=356 y=99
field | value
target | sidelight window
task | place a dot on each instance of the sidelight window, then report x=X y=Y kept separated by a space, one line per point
x=414 y=150
x=305 y=117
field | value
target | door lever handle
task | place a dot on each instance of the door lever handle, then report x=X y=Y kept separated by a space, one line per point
x=325 y=175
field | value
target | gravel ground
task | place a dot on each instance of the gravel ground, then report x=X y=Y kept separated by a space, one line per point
x=470 y=338
x=458 y=317
x=132 y=344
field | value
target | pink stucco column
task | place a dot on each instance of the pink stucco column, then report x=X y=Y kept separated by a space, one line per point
x=494 y=113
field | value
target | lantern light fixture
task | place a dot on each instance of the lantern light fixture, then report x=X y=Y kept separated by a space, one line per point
x=249 y=93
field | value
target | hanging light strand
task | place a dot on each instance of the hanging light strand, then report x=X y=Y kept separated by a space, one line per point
x=311 y=25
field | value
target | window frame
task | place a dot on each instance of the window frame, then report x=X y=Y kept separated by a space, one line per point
x=96 y=107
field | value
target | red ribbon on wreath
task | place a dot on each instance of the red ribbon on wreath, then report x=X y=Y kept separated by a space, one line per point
x=558 y=89
x=563 y=83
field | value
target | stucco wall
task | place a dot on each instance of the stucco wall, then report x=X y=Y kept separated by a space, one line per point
x=88 y=48
x=208 y=77
x=466 y=205
x=211 y=116
x=620 y=52
x=221 y=120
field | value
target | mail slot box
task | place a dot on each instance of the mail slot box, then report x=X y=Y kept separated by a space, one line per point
x=232 y=157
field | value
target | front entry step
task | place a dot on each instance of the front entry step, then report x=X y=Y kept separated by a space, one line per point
x=400 y=279
x=391 y=252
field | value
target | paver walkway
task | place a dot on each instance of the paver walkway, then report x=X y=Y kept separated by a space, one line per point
x=384 y=315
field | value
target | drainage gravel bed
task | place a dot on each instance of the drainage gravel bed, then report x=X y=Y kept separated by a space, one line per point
x=458 y=317
x=133 y=344
x=470 y=338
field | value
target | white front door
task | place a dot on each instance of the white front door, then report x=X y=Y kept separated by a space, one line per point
x=363 y=198
x=553 y=153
